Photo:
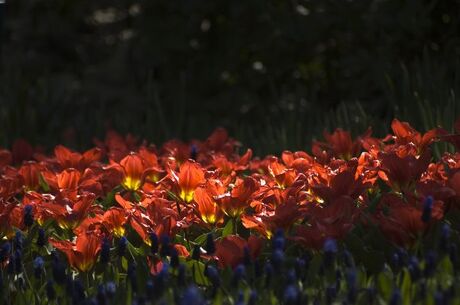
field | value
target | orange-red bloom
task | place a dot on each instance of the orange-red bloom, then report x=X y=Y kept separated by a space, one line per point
x=5 y=225
x=83 y=254
x=30 y=173
x=71 y=159
x=235 y=202
x=282 y=217
x=133 y=168
x=402 y=222
x=114 y=220
x=207 y=207
x=68 y=214
x=151 y=215
x=230 y=250
x=405 y=134
x=339 y=144
x=401 y=171
x=284 y=176
x=5 y=158
x=191 y=175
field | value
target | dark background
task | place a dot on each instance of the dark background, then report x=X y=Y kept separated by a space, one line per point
x=274 y=73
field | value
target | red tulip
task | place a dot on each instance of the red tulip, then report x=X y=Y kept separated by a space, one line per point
x=83 y=254
x=191 y=175
x=230 y=250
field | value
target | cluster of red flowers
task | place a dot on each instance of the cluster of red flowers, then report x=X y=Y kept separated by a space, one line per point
x=200 y=187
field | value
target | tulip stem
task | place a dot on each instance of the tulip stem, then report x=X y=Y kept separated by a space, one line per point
x=187 y=239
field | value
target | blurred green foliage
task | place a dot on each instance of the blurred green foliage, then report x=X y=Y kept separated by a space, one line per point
x=275 y=73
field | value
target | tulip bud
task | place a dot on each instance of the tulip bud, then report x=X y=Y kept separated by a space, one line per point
x=430 y=263
x=18 y=240
x=41 y=239
x=414 y=268
x=291 y=295
x=330 y=250
x=240 y=299
x=445 y=236
x=396 y=297
x=28 y=216
x=213 y=276
x=155 y=244
x=279 y=240
x=165 y=246
x=5 y=251
x=101 y=295
x=403 y=256
x=110 y=289
x=351 y=284
x=210 y=246
x=105 y=251
x=277 y=259
x=193 y=152
x=192 y=296
x=181 y=275
x=122 y=244
x=161 y=279
x=291 y=277
x=150 y=289
x=238 y=274
x=38 y=266
x=131 y=275
x=427 y=209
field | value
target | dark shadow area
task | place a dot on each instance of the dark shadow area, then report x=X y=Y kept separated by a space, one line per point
x=274 y=73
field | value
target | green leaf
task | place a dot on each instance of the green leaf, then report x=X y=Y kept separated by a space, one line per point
x=43 y=184
x=136 y=196
x=173 y=196
x=406 y=287
x=445 y=274
x=201 y=239
x=385 y=284
x=138 y=251
x=373 y=204
x=218 y=300
x=124 y=263
x=228 y=229
x=197 y=269
x=129 y=295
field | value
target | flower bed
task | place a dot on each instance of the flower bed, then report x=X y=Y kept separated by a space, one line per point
x=364 y=221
